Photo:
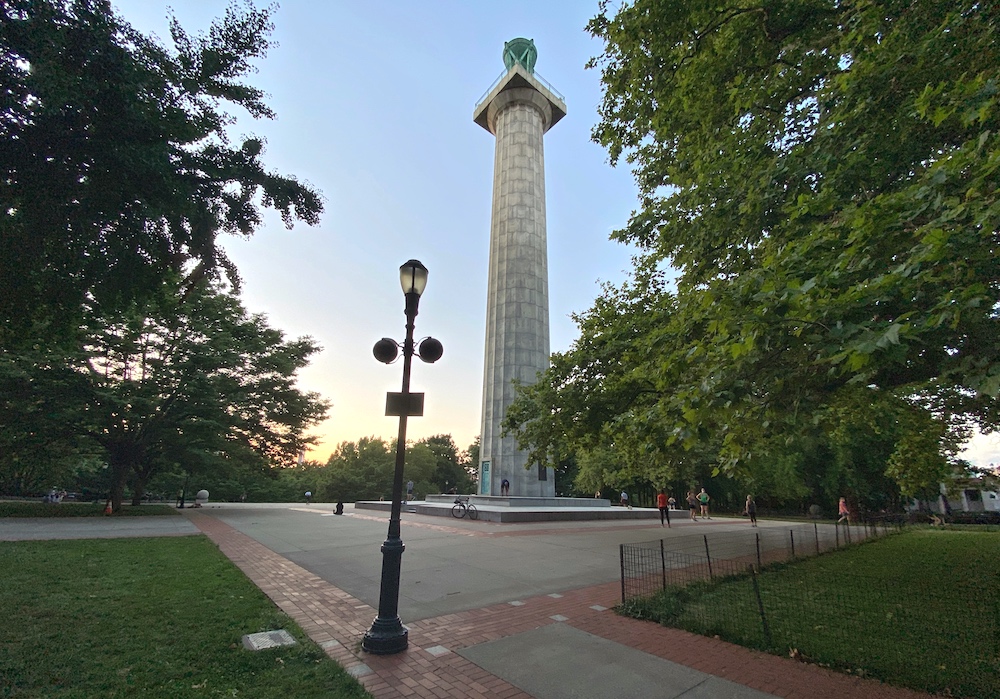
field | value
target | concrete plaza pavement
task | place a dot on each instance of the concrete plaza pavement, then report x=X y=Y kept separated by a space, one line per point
x=494 y=610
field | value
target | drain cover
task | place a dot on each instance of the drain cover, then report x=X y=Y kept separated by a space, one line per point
x=267 y=639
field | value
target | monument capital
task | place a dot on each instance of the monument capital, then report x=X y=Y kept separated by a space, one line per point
x=519 y=85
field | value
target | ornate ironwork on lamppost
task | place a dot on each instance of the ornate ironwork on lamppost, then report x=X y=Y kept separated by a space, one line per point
x=387 y=634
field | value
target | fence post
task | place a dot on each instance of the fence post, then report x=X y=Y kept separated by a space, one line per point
x=791 y=537
x=816 y=534
x=709 y=557
x=758 y=550
x=760 y=607
x=836 y=529
x=663 y=564
x=621 y=555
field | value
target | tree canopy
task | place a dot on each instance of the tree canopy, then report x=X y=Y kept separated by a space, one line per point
x=120 y=341
x=822 y=176
x=190 y=381
x=117 y=168
x=364 y=470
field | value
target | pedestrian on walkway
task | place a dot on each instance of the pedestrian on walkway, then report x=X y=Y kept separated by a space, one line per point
x=751 y=510
x=844 y=511
x=672 y=502
x=505 y=487
x=409 y=490
x=661 y=504
x=309 y=497
x=624 y=500
x=692 y=505
x=703 y=499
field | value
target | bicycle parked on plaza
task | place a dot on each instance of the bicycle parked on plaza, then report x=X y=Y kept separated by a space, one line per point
x=463 y=507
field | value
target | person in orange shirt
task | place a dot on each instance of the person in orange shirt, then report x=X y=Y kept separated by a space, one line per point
x=661 y=503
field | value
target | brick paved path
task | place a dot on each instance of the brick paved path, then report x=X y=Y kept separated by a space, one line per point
x=431 y=667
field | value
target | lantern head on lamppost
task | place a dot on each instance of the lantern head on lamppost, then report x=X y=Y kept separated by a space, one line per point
x=387 y=634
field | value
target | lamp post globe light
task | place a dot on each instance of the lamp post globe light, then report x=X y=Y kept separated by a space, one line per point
x=387 y=634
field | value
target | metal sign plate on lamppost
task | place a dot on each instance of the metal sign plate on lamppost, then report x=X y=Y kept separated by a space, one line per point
x=409 y=404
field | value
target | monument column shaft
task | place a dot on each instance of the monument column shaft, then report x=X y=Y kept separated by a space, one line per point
x=517 y=313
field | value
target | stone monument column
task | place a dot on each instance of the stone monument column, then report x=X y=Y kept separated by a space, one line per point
x=517 y=110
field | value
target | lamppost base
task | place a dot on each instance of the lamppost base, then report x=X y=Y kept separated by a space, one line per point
x=386 y=636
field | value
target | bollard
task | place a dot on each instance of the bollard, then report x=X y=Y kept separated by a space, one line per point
x=758 y=550
x=791 y=537
x=816 y=534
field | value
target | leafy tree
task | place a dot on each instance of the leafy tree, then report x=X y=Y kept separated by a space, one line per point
x=183 y=380
x=40 y=397
x=450 y=466
x=364 y=470
x=117 y=168
x=822 y=175
x=471 y=461
x=361 y=470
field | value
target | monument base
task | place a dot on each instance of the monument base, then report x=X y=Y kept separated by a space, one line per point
x=496 y=508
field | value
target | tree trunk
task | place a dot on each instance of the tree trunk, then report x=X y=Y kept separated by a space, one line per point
x=123 y=457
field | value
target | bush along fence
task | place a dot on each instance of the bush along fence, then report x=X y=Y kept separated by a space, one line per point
x=769 y=589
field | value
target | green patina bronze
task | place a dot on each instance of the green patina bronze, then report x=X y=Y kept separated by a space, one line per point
x=521 y=51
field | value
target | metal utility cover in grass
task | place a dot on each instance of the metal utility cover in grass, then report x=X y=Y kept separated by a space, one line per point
x=267 y=639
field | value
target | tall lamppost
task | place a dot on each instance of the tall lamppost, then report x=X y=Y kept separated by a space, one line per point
x=387 y=634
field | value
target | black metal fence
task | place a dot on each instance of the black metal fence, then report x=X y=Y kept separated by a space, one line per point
x=647 y=568
x=712 y=585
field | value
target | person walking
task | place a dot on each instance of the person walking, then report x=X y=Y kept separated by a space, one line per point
x=624 y=500
x=751 y=510
x=409 y=490
x=844 y=511
x=672 y=503
x=663 y=507
x=692 y=506
x=309 y=497
x=703 y=499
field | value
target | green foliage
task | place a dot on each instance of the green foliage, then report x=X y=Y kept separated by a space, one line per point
x=360 y=470
x=451 y=467
x=823 y=176
x=117 y=166
x=364 y=470
x=185 y=380
x=151 y=617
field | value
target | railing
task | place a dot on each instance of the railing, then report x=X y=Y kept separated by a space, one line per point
x=823 y=612
x=535 y=76
x=649 y=567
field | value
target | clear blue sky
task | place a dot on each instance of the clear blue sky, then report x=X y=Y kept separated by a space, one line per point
x=374 y=104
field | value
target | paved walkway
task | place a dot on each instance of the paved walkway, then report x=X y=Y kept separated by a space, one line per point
x=543 y=647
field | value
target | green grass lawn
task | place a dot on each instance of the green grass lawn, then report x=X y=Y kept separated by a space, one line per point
x=158 y=617
x=21 y=508
x=919 y=610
